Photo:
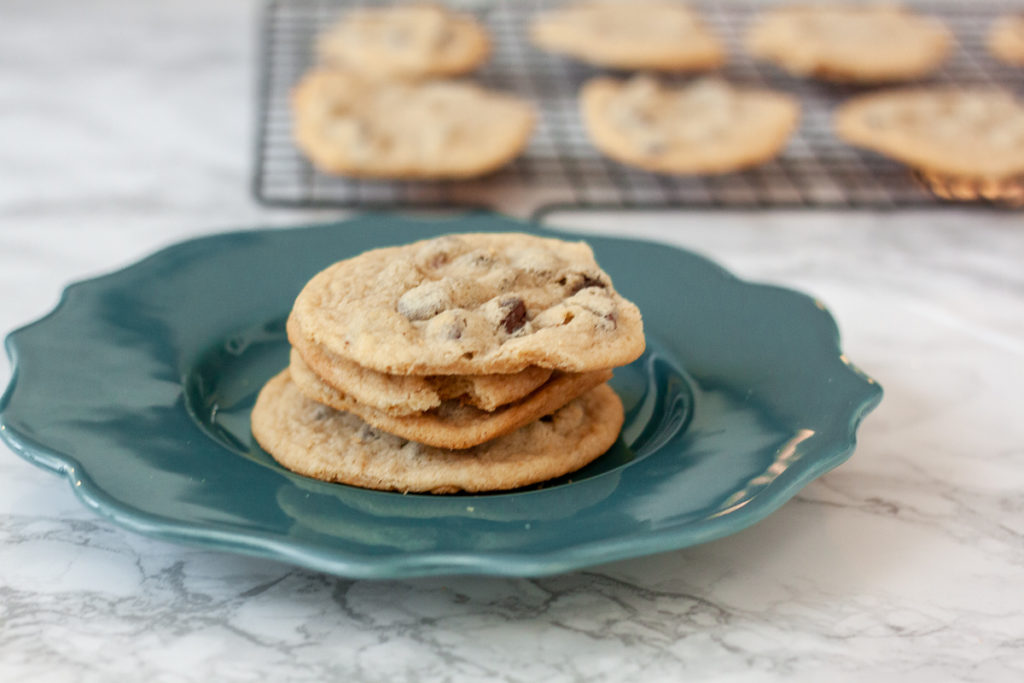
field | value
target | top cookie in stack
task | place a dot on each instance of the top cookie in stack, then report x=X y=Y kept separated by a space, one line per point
x=495 y=343
x=469 y=304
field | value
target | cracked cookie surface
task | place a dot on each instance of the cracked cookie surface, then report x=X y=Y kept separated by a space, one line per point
x=707 y=126
x=348 y=125
x=471 y=304
x=318 y=441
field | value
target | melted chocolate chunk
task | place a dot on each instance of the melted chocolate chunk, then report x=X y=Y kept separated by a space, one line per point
x=425 y=301
x=368 y=433
x=516 y=316
x=453 y=330
x=579 y=281
x=589 y=281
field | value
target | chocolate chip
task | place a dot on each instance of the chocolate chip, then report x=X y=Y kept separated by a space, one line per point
x=548 y=418
x=425 y=301
x=579 y=281
x=322 y=412
x=440 y=251
x=447 y=326
x=478 y=258
x=453 y=329
x=368 y=433
x=516 y=316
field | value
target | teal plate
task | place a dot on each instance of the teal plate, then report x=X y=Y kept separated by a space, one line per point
x=138 y=386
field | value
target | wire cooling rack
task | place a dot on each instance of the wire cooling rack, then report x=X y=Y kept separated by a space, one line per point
x=560 y=168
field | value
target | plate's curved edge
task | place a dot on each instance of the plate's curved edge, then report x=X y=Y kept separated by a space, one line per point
x=357 y=566
x=429 y=564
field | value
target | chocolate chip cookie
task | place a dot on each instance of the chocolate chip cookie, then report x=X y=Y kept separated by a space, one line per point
x=1006 y=39
x=650 y=34
x=707 y=126
x=349 y=125
x=871 y=43
x=471 y=304
x=315 y=440
x=453 y=424
x=411 y=41
x=400 y=395
x=965 y=133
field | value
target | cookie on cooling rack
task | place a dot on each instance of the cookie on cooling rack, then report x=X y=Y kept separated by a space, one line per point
x=957 y=138
x=318 y=441
x=1006 y=39
x=351 y=126
x=471 y=304
x=650 y=34
x=707 y=126
x=850 y=43
x=410 y=41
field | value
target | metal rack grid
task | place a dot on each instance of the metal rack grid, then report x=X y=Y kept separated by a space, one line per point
x=560 y=168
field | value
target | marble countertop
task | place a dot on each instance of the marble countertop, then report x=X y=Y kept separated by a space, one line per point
x=126 y=127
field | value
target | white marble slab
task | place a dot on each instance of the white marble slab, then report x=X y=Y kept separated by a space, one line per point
x=126 y=126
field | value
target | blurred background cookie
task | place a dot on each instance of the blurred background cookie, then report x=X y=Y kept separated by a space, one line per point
x=1006 y=39
x=412 y=41
x=707 y=126
x=351 y=126
x=651 y=34
x=961 y=138
x=856 y=43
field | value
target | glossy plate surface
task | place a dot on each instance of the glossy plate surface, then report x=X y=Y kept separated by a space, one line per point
x=138 y=386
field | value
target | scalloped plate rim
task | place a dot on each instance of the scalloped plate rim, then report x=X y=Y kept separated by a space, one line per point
x=432 y=563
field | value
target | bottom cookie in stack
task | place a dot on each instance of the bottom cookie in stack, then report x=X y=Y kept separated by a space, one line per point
x=333 y=445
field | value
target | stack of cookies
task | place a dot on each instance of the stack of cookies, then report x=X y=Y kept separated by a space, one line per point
x=471 y=362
